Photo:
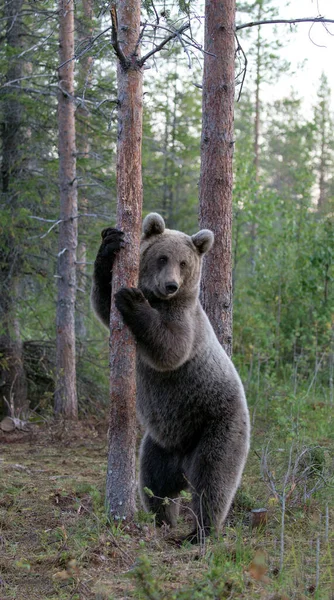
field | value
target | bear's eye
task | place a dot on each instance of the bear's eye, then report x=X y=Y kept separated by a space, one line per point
x=183 y=264
x=162 y=260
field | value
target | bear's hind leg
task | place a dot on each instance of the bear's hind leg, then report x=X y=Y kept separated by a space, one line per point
x=160 y=472
x=214 y=471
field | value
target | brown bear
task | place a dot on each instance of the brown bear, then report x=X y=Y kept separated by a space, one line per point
x=190 y=399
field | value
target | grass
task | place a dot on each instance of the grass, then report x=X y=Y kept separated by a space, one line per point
x=56 y=542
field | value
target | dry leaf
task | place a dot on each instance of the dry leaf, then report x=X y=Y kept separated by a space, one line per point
x=258 y=567
x=61 y=575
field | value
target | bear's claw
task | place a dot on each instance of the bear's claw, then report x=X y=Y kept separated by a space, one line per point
x=127 y=298
x=112 y=241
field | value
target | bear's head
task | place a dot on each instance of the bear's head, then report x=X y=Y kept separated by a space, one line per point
x=170 y=261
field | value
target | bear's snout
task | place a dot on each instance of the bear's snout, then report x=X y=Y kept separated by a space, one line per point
x=171 y=287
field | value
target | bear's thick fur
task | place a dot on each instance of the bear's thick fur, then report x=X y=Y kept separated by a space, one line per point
x=189 y=396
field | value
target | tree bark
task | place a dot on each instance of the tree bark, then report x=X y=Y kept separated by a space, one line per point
x=253 y=231
x=121 y=480
x=13 y=377
x=322 y=158
x=257 y=101
x=66 y=391
x=83 y=143
x=216 y=177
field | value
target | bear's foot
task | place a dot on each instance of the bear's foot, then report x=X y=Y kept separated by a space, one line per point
x=196 y=536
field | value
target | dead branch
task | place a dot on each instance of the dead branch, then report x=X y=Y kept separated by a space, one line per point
x=287 y=21
x=244 y=69
x=177 y=33
x=86 y=48
x=124 y=61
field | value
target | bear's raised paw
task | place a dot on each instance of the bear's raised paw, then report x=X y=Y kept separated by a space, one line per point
x=126 y=299
x=112 y=241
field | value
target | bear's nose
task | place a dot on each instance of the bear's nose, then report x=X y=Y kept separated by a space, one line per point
x=171 y=287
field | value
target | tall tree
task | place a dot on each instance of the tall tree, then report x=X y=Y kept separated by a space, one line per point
x=126 y=39
x=171 y=139
x=83 y=146
x=14 y=387
x=264 y=63
x=216 y=164
x=265 y=66
x=121 y=483
x=66 y=390
x=324 y=123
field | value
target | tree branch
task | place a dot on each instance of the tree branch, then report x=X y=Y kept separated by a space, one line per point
x=288 y=21
x=159 y=47
x=125 y=62
x=244 y=69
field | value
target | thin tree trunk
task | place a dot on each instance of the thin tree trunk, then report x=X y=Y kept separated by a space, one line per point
x=216 y=178
x=172 y=190
x=257 y=101
x=14 y=384
x=80 y=325
x=83 y=143
x=165 y=212
x=121 y=481
x=322 y=162
x=253 y=231
x=66 y=391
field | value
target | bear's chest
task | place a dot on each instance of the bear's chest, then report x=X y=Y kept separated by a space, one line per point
x=175 y=406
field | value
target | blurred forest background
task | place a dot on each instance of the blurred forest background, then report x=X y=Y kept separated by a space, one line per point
x=283 y=202
x=283 y=234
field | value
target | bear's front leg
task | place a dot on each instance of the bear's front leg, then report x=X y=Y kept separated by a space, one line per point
x=164 y=344
x=112 y=242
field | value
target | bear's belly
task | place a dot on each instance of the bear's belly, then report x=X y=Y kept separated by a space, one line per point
x=175 y=406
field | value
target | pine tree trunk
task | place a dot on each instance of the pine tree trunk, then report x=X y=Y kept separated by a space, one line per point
x=322 y=163
x=13 y=378
x=216 y=178
x=253 y=231
x=66 y=391
x=257 y=99
x=83 y=143
x=121 y=480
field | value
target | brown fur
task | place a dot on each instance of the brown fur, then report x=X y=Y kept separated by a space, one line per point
x=189 y=396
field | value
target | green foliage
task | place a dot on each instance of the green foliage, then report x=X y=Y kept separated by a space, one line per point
x=283 y=248
x=283 y=244
x=283 y=295
x=222 y=579
x=171 y=146
x=265 y=64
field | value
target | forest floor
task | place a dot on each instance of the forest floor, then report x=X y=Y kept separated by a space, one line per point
x=56 y=542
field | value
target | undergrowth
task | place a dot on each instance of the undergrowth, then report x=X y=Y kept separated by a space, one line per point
x=57 y=542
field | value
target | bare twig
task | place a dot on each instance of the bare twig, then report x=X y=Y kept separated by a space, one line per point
x=179 y=37
x=317 y=573
x=317 y=367
x=244 y=70
x=284 y=495
x=173 y=34
x=155 y=12
x=197 y=46
x=26 y=77
x=86 y=48
x=287 y=21
x=326 y=523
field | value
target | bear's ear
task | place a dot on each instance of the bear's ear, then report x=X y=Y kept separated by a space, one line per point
x=203 y=240
x=153 y=224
